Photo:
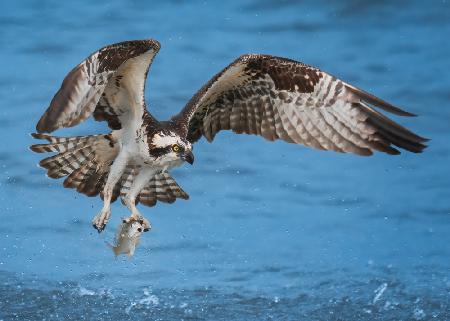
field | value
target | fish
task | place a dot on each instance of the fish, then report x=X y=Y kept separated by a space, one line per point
x=127 y=238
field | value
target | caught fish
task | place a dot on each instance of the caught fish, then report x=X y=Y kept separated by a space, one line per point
x=127 y=238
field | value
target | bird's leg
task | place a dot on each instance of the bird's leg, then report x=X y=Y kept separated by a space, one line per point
x=115 y=173
x=144 y=176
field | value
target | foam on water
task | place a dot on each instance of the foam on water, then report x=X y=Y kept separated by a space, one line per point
x=379 y=292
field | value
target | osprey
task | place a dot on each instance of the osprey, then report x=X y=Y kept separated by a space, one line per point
x=273 y=97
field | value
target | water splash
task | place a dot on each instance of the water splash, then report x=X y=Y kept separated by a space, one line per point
x=146 y=301
x=379 y=292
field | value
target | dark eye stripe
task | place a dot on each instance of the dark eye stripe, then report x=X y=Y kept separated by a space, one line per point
x=159 y=151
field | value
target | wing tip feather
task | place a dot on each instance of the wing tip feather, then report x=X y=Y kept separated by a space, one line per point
x=378 y=102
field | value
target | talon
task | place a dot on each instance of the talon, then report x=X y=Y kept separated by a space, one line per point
x=99 y=228
x=99 y=222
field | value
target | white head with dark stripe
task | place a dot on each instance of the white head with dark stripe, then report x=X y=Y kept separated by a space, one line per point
x=170 y=149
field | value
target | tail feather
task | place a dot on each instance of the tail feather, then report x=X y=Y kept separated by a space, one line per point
x=161 y=188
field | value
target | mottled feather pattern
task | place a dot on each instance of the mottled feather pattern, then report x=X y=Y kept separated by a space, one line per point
x=286 y=74
x=279 y=98
x=111 y=57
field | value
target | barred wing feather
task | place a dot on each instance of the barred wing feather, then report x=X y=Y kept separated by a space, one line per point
x=279 y=98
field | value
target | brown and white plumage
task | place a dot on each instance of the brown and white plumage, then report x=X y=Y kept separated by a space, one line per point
x=273 y=97
x=109 y=85
x=278 y=98
x=85 y=162
x=102 y=85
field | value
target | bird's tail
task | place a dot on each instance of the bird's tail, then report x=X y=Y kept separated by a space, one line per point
x=85 y=160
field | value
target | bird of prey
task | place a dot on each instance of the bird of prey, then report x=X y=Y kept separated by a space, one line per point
x=273 y=97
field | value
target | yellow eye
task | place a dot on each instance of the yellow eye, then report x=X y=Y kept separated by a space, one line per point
x=175 y=148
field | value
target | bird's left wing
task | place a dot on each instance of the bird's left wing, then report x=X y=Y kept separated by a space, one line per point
x=109 y=84
x=279 y=98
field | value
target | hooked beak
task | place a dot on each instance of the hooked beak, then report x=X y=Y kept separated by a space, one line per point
x=188 y=157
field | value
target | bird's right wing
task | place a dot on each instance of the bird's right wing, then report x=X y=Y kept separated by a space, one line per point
x=109 y=84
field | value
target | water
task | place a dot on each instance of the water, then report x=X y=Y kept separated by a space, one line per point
x=272 y=231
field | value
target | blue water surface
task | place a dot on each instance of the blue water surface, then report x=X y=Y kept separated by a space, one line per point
x=272 y=231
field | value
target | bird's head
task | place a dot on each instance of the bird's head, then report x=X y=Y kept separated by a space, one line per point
x=170 y=149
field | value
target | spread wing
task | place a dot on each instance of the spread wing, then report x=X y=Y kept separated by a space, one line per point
x=278 y=98
x=109 y=84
